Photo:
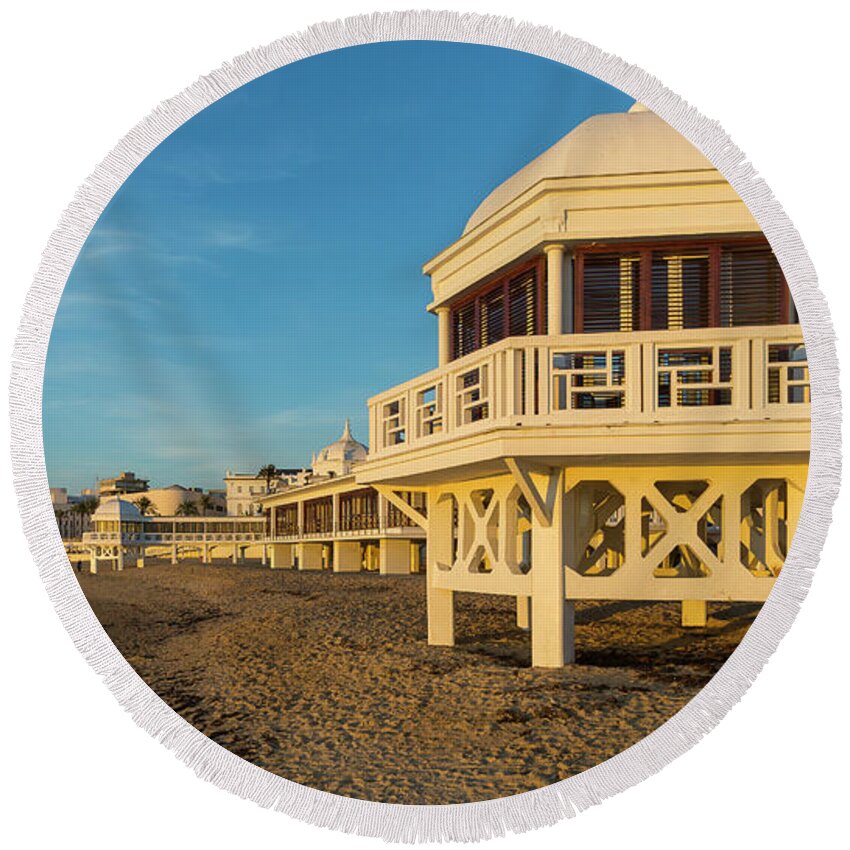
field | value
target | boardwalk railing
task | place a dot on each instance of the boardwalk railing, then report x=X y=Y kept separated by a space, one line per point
x=720 y=374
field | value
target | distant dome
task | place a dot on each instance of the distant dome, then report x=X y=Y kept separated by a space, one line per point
x=633 y=142
x=341 y=455
x=117 y=509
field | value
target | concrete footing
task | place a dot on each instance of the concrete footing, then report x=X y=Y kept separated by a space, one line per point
x=694 y=613
x=310 y=556
x=346 y=557
x=523 y=612
x=281 y=556
x=394 y=557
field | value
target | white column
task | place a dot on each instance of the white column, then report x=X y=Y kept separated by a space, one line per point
x=694 y=613
x=552 y=615
x=382 y=513
x=523 y=612
x=394 y=557
x=335 y=513
x=346 y=556
x=441 y=602
x=310 y=556
x=555 y=288
x=569 y=295
x=444 y=332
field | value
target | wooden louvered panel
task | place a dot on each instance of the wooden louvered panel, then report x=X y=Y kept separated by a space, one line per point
x=679 y=287
x=680 y=291
x=492 y=316
x=752 y=288
x=611 y=293
x=511 y=305
x=522 y=305
x=463 y=330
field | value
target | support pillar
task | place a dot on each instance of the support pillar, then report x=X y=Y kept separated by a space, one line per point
x=346 y=556
x=205 y=554
x=555 y=288
x=444 y=352
x=119 y=559
x=140 y=559
x=310 y=556
x=441 y=602
x=523 y=612
x=174 y=554
x=552 y=615
x=694 y=613
x=236 y=558
x=371 y=557
x=93 y=561
x=264 y=556
x=281 y=556
x=394 y=557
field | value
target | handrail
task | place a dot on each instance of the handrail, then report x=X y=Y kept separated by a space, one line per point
x=696 y=374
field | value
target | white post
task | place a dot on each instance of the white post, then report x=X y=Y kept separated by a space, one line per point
x=444 y=335
x=310 y=556
x=441 y=604
x=694 y=613
x=552 y=615
x=346 y=556
x=93 y=560
x=555 y=288
x=569 y=295
x=394 y=557
x=523 y=612
x=382 y=513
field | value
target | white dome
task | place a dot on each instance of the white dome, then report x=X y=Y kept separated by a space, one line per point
x=340 y=456
x=117 y=509
x=633 y=142
x=346 y=448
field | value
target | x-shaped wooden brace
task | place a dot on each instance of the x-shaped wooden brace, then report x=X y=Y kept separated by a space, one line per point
x=682 y=527
x=471 y=551
x=612 y=536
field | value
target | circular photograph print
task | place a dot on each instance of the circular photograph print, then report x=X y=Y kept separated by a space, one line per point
x=426 y=422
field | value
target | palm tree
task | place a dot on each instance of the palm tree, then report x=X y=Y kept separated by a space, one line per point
x=86 y=506
x=187 y=508
x=146 y=506
x=269 y=472
x=206 y=502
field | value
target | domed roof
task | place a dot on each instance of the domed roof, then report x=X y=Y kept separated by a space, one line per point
x=117 y=509
x=633 y=142
x=346 y=448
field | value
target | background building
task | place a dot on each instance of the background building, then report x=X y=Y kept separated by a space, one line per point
x=122 y=485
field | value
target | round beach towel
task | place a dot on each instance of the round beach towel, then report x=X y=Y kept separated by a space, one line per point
x=426 y=415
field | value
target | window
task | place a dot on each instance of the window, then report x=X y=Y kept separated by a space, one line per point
x=511 y=305
x=677 y=287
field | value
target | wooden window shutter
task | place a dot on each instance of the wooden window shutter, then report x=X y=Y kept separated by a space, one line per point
x=752 y=288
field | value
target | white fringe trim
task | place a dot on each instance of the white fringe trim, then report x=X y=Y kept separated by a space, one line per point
x=470 y=821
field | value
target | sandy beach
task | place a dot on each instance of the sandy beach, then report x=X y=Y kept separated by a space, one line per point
x=328 y=680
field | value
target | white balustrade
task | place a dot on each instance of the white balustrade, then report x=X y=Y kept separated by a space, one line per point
x=746 y=373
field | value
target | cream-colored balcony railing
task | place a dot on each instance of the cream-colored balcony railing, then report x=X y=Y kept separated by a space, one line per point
x=154 y=538
x=719 y=374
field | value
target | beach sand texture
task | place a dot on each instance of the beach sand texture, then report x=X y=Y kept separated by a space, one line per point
x=328 y=680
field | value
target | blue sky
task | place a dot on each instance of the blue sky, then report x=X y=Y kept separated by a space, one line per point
x=258 y=276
